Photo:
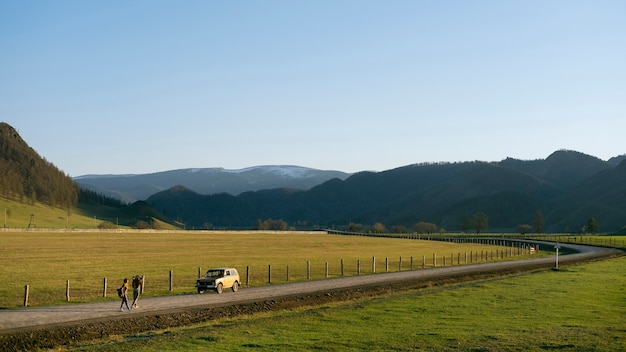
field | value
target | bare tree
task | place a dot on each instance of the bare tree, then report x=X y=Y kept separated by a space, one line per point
x=425 y=227
x=378 y=228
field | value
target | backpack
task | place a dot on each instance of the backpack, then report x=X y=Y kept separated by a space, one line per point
x=120 y=292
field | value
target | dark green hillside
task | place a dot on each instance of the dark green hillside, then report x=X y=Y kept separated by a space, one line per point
x=136 y=215
x=402 y=196
x=602 y=196
x=202 y=211
x=510 y=193
x=563 y=168
x=506 y=195
x=26 y=176
x=416 y=193
x=617 y=159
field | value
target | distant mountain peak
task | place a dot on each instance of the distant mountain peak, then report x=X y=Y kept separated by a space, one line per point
x=206 y=181
x=279 y=170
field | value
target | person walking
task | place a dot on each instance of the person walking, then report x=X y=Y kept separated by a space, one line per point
x=137 y=284
x=124 y=296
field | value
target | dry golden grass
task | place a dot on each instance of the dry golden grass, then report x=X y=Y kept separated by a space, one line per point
x=45 y=260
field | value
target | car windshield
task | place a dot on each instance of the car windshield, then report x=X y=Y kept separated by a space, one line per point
x=215 y=273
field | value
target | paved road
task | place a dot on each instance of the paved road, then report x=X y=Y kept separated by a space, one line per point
x=38 y=317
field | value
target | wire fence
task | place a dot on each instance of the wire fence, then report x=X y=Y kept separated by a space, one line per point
x=173 y=282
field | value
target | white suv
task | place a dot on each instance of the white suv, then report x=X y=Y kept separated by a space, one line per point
x=218 y=279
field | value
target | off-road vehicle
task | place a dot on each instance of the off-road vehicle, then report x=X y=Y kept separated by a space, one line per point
x=218 y=279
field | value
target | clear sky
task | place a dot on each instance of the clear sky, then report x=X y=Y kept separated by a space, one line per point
x=129 y=87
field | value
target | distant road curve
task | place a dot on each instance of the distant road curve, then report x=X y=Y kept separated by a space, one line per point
x=38 y=318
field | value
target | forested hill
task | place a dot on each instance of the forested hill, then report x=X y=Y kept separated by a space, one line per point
x=567 y=188
x=26 y=176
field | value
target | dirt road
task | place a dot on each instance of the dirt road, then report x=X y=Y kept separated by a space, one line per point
x=47 y=327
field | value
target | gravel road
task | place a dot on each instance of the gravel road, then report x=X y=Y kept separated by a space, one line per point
x=47 y=327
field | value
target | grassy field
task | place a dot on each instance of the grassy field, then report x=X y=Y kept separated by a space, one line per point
x=577 y=308
x=23 y=215
x=20 y=215
x=45 y=260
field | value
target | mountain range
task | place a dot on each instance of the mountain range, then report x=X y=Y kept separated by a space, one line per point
x=568 y=188
x=130 y=188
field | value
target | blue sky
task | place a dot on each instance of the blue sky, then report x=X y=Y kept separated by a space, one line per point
x=128 y=87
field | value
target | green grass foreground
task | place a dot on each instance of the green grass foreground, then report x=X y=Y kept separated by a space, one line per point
x=46 y=260
x=578 y=308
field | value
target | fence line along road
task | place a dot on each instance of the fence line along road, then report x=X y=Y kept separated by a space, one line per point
x=39 y=317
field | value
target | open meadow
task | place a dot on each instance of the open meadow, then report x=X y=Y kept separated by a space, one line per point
x=47 y=260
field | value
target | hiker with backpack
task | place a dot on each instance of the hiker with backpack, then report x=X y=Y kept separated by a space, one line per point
x=122 y=292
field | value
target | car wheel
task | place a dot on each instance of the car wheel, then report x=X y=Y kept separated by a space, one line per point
x=200 y=291
x=219 y=288
x=235 y=286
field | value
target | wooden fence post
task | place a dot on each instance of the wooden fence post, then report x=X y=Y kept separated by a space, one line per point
x=67 y=290
x=386 y=263
x=104 y=287
x=434 y=260
x=423 y=261
x=248 y=276
x=199 y=271
x=143 y=284
x=269 y=273
x=411 y=263
x=26 y=289
x=171 y=283
x=373 y=265
x=326 y=270
x=341 y=267
x=358 y=266
x=308 y=269
x=400 y=264
x=287 y=272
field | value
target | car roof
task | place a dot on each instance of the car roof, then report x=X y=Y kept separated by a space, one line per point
x=221 y=269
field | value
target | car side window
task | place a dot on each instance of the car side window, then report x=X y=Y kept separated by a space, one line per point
x=227 y=273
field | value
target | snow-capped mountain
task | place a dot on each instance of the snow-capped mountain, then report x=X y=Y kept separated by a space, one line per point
x=130 y=188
